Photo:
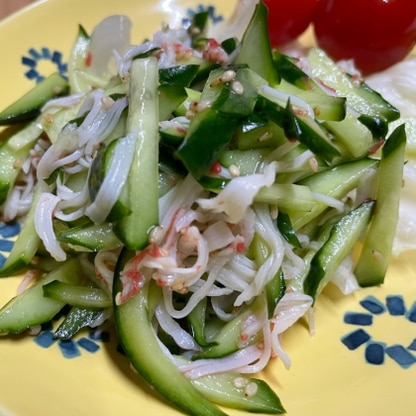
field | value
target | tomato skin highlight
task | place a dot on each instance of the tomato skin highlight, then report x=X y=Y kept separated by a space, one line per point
x=375 y=33
x=288 y=19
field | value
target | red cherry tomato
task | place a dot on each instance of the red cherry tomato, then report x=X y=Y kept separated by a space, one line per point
x=375 y=33
x=288 y=19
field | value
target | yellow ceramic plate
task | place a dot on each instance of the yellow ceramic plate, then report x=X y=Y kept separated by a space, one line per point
x=361 y=360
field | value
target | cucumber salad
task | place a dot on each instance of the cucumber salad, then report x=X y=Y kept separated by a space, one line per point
x=197 y=191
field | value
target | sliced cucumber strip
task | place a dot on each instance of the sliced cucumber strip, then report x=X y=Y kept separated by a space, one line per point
x=228 y=339
x=342 y=238
x=359 y=95
x=142 y=184
x=75 y=320
x=133 y=321
x=335 y=182
x=26 y=245
x=13 y=153
x=92 y=236
x=376 y=252
x=325 y=107
x=178 y=75
x=76 y=295
x=255 y=48
x=352 y=134
x=31 y=308
x=28 y=106
x=239 y=392
x=78 y=62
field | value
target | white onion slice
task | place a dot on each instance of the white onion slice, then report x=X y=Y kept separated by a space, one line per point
x=111 y=34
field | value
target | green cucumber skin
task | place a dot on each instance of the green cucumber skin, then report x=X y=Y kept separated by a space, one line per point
x=303 y=128
x=75 y=320
x=78 y=61
x=170 y=98
x=28 y=106
x=352 y=134
x=326 y=107
x=196 y=322
x=31 y=308
x=212 y=128
x=274 y=292
x=209 y=134
x=94 y=237
x=288 y=70
x=376 y=252
x=310 y=133
x=139 y=342
x=181 y=75
x=9 y=169
x=226 y=342
x=359 y=96
x=143 y=180
x=134 y=327
x=228 y=338
x=335 y=182
x=76 y=295
x=342 y=238
x=26 y=245
x=255 y=46
x=286 y=229
x=221 y=389
x=276 y=288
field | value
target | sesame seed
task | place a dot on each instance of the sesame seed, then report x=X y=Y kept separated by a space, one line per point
x=156 y=235
x=377 y=255
x=251 y=389
x=238 y=87
x=57 y=89
x=215 y=82
x=240 y=382
x=274 y=211
x=48 y=118
x=227 y=76
x=17 y=164
x=107 y=102
x=189 y=114
x=265 y=136
x=313 y=164
x=193 y=106
x=118 y=298
x=202 y=105
x=234 y=170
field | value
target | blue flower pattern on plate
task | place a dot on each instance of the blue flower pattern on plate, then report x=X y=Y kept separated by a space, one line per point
x=73 y=348
x=377 y=350
x=34 y=57
x=213 y=16
x=8 y=233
